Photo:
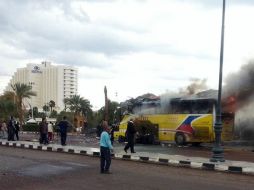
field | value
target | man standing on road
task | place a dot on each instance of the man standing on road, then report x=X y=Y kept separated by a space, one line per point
x=105 y=149
x=17 y=128
x=63 y=126
x=11 y=129
x=43 y=127
x=130 y=134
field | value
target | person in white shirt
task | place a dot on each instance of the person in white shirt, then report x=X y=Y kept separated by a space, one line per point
x=50 y=131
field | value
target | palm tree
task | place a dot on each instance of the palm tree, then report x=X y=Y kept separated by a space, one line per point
x=66 y=103
x=7 y=106
x=52 y=104
x=86 y=107
x=45 y=108
x=75 y=104
x=9 y=95
x=78 y=105
x=21 y=91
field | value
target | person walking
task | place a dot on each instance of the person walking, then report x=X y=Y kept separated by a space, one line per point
x=16 y=131
x=99 y=129
x=105 y=149
x=63 y=126
x=43 y=126
x=11 y=129
x=130 y=134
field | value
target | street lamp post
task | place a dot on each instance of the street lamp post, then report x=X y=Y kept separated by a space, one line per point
x=218 y=155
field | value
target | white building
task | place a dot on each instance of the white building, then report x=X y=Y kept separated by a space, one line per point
x=50 y=82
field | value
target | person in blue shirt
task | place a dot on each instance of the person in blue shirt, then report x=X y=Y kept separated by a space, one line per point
x=105 y=149
x=63 y=126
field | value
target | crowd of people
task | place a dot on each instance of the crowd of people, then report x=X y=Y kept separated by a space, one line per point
x=10 y=130
x=47 y=132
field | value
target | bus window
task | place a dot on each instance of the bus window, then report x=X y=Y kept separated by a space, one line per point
x=202 y=107
x=194 y=106
x=181 y=107
x=186 y=107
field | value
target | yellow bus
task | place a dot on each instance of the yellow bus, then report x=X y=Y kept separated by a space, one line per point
x=186 y=121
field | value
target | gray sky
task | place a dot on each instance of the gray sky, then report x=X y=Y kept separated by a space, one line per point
x=131 y=46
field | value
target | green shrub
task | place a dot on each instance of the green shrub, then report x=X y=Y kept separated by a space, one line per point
x=31 y=127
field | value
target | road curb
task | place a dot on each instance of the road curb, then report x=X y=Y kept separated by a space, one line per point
x=37 y=133
x=144 y=159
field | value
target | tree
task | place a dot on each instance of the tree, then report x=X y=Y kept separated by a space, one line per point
x=35 y=111
x=52 y=104
x=75 y=104
x=86 y=107
x=113 y=112
x=21 y=91
x=78 y=105
x=53 y=114
x=45 y=108
x=66 y=102
x=7 y=108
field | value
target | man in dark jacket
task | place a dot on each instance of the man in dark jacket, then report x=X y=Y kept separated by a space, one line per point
x=63 y=126
x=130 y=134
x=11 y=129
x=43 y=126
x=17 y=128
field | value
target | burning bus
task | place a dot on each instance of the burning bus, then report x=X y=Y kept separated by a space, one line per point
x=186 y=120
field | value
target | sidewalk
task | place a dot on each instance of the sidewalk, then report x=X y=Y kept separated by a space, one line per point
x=240 y=167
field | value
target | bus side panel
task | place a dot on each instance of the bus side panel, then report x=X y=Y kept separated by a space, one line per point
x=122 y=127
x=167 y=128
x=163 y=122
x=202 y=125
x=168 y=124
x=203 y=129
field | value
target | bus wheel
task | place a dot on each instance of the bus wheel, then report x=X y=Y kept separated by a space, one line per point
x=180 y=139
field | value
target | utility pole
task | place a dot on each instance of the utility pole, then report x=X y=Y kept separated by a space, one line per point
x=31 y=106
x=106 y=104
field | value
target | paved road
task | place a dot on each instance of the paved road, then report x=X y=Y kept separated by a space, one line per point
x=29 y=169
x=231 y=153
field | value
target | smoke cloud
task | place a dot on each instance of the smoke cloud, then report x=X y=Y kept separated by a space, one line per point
x=196 y=85
x=162 y=103
x=239 y=90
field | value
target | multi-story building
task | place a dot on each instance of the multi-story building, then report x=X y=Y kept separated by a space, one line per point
x=50 y=82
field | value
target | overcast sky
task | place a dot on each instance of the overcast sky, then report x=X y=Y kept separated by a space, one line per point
x=131 y=46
